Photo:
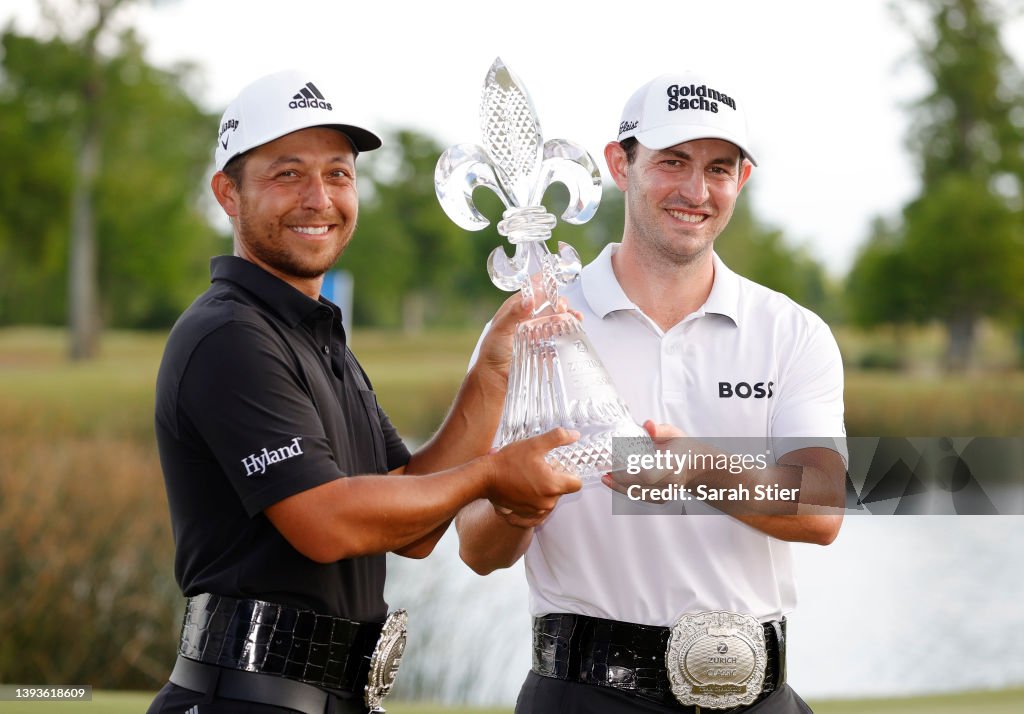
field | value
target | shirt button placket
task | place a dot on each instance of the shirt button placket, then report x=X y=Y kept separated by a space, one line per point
x=673 y=372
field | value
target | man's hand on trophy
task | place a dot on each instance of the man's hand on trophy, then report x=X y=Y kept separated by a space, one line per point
x=495 y=354
x=662 y=433
x=646 y=474
x=524 y=487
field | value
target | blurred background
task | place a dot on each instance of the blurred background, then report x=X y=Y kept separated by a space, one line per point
x=888 y=199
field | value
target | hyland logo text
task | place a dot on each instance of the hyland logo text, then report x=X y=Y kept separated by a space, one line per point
x=258 y=463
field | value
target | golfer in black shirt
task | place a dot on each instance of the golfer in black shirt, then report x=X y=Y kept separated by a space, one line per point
x=286 y=481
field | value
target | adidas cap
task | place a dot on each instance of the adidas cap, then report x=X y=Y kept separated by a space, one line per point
x=674 y=108
x=279 y=104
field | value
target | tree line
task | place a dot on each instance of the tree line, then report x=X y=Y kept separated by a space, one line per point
x=105 y=214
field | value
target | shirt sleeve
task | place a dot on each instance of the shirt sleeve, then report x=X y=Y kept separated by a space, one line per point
x=809 y=411
x=241 y=394
x=397 y=452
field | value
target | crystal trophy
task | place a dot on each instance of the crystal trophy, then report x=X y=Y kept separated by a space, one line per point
x=556 y=377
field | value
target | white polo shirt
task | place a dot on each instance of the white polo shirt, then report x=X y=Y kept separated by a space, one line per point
x=652 y=569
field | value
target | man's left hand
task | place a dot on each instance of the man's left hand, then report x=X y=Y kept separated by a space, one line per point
x=495 y=354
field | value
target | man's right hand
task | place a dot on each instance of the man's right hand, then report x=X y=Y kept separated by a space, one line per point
x=650 y=479
x=523 y=485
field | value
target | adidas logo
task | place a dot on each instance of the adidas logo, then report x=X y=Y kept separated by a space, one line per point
x=192 y=710
x=309 y=97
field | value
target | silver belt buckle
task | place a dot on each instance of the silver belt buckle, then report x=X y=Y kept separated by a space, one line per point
x=384 y=661
x=716 y=659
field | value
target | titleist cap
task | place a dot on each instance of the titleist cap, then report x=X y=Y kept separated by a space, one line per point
x=279 y=104
x=674 y=108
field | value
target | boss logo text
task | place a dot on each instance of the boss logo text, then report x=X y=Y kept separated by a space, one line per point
x=745 y=390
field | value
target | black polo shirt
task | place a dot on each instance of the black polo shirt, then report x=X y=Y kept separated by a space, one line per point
x=259 y=398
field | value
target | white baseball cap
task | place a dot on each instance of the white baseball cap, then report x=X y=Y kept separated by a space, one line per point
x=279 y=104
x=674 y=108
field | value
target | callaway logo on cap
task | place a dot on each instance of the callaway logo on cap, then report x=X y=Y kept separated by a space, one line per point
x=675 y=108
x=279 y=104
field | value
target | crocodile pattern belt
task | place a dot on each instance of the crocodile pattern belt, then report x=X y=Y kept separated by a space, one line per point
x=627 y=656
x=257 y=636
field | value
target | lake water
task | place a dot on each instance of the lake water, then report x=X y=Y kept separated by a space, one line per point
x=898 y=605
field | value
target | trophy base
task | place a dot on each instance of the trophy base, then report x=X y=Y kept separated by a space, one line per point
x=593 y=456
x=557 y=379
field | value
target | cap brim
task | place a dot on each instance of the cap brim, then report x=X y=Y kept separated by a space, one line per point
x=362 y=139
x=663 y=137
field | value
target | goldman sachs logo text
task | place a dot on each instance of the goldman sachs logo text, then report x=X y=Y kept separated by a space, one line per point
x=258 y=463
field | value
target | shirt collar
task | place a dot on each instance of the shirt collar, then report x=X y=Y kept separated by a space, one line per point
x=605 y=295
x=291 y=305
x=725 y=292
x=600 y=286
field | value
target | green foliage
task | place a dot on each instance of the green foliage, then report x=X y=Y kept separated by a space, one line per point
x=970 y=121
x=964 y=250
x=153 y=239
x=762 y=254
x=413 y=266
x=407 y=255
x=877 y=288
x=964 y=236
x=959 y=253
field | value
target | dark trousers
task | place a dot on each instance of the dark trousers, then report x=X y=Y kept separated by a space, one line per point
x=173 y=699
x=543 y=695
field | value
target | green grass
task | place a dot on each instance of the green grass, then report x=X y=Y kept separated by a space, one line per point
x=897 y=404
x=110 y=395
x=106 y=702
x=137 y=702
x=1009 y=701
x=416 y=378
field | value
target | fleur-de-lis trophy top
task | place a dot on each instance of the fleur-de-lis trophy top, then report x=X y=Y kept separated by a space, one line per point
x=556 y=377
x=518 y=165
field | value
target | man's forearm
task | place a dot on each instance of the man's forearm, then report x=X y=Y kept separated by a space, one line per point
x=375 y=513
x=813 y=478
x=486 y=541
x=366 y=514
x=468 y=430
x=815 y=515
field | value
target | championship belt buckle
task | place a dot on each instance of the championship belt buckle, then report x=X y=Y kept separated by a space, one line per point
x=384 y=661
x=716 y=659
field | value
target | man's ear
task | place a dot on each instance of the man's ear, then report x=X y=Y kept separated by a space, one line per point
x=226 y=193
x=618 y=163
x=745 y=168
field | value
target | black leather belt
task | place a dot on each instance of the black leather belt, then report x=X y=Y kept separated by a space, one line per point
x=249 y=686
x=627 y=656
x=253 y=636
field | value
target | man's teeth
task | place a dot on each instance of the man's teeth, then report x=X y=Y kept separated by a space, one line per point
x=688 y=217
x=311 y=230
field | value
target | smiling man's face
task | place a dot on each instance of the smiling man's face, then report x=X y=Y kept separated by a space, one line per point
x=679 y=199
x=296 y=206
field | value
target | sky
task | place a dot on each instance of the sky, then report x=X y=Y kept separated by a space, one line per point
x=826 y=84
